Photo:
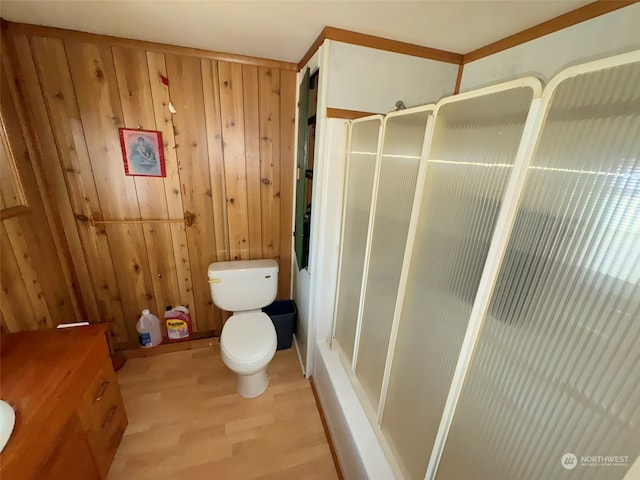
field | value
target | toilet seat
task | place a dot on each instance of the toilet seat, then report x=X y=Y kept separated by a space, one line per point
x=248 y=342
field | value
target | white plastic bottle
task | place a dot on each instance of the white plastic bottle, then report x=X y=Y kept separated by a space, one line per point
x=149 y=332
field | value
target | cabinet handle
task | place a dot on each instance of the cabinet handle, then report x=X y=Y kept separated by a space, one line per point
x=101 y=391
x=109 y=417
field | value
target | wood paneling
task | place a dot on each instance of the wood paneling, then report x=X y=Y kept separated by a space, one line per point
x=37 y=288
x=137 y=109
x=253 y=154
x=235 y=168
x=11 y=191
x=157 y=69
x=287 y=179
x=93 y=75
x=229 y=163
x=269 y=87
x=190 y=137
x=54 y=109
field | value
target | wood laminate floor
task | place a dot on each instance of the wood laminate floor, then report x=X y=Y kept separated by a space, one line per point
x=186 y=421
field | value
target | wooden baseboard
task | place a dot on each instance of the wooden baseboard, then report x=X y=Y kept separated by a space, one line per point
x=172 y=347
x=327 y=433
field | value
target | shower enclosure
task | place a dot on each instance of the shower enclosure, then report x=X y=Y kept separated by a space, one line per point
x=488 y=309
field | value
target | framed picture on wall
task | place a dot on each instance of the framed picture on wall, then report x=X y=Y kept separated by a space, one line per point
x=142 y=152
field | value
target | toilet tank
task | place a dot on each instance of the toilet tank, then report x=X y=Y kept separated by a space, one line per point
x=244 y=284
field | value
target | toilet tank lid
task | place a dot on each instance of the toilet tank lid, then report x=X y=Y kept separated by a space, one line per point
x=258 y=266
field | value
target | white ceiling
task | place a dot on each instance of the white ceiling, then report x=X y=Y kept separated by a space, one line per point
x=284 y=30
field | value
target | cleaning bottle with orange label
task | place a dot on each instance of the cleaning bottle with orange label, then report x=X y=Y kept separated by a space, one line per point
x=178 y=322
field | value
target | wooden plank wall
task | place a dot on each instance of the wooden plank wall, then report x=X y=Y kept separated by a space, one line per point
x=229 y=162
x=37 y=287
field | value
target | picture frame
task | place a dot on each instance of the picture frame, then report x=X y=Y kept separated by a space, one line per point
x=142 y=152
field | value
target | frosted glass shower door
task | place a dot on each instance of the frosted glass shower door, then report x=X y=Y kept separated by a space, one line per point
x=362 y=157
x=402 y=152
x=555 y=369
x=475 y=143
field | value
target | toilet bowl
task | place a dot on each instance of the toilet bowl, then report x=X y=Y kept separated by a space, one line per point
x=247 y=345
x=248 y=341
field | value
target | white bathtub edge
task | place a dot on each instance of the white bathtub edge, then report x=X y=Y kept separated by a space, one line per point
x=357 y=447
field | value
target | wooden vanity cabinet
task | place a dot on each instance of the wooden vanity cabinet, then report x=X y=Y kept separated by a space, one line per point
x=69 y=412
x=102 y=416
x=71 y=456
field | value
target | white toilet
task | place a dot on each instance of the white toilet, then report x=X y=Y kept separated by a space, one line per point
x=248 y=340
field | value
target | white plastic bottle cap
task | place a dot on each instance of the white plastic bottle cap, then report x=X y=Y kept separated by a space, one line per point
x=145 y=312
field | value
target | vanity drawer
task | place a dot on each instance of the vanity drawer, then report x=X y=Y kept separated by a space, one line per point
x=105 y=438
x=101 y=387
x=103 y=417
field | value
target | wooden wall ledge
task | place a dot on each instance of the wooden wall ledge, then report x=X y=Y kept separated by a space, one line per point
x=379 y=43
x=13 y=211
x=579 y=15
x=347 y=114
